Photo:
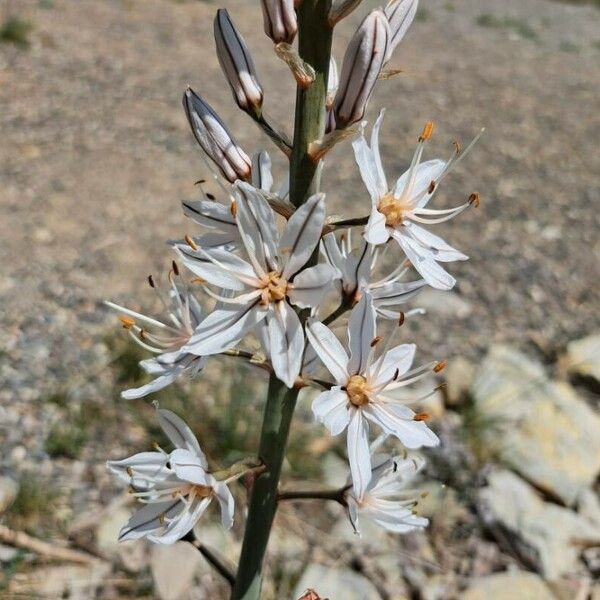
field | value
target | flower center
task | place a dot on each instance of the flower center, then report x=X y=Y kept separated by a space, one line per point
x=201 y=491
x=356 y=388
x=393 y=209
x=275 y=288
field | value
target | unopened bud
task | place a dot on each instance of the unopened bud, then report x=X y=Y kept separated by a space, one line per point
x=333 y=82
x=279 y=19
x=341 y=9
x=364 y=58
x=400 y=14
x=215 y=139
x=237 y=64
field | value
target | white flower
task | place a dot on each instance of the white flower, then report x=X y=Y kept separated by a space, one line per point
x=217 y=217
x=166 y=337
x=175 y=487
x=355 y=270
x=266 y=283
x=361 y=391
x=395 y=213
x=386 y=499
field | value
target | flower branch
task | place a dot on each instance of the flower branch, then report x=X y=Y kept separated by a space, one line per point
x=337 y=495
x=215 y=561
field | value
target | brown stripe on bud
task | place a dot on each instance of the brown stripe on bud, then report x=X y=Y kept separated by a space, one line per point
x=279 y=20
x=363 y=61
x=215 y=139
x=237 y=64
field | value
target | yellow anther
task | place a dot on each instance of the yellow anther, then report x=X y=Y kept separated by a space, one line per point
x=126 y=321
x=440 y=366
x=427 y=131
x=190 y=242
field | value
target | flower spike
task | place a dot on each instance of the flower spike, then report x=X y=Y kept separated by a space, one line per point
x=400 y=14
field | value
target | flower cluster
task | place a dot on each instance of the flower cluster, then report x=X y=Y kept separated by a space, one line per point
x=263 y=271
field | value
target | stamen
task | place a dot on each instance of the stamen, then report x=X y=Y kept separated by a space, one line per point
x=457 y=147
x=190 y=242
x=151 y=281
x=431 y=188
x=427 y=131
x=475 y=199
x=210 y=196
x=200 y=182
x=233 y=209
x=440 y=366
x=421 y=417
x=175 y=267
x=126 y=321
x=401 y=319
x=375 y=341
x=198 y=280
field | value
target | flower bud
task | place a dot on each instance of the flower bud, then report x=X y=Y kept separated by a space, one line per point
x=279 y=19
x=364 y=58
x=215 y=139
x=400 y=14
x=237 y=64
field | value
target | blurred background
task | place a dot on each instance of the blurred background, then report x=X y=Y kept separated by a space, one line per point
x=95 y=157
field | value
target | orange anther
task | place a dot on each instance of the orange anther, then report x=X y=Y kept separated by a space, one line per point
x=440 y=366
x=427 y=131
x=190 y=242
x=127 y=322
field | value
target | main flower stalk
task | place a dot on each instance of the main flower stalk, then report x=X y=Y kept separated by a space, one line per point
x=314 y=46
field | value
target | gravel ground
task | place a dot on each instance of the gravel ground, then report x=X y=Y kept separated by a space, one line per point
x=95 y=156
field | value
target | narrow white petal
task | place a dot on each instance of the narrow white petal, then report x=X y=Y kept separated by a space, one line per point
x=149 y=519
x=361 y=331
x=376 y=231
x=311 y=285
x=177 y=430
x=331 y=408
x=188 y=466
x=359 y=456
x=286 y=342
x=302 y=234
x=441 y=250
x=262 y=178
x=398 y=359
x=329 y=349
x=226 y=503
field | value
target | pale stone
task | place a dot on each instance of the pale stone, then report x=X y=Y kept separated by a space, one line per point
x=548 y=533
x=336 y=584
x=174 y=569
x=509 y=586
x=444 y=303
x=538 y=427
x=8 y=492
x=583 y=357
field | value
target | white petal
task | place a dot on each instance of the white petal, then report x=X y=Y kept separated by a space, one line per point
x=399 y=358
x=154 y=386
x=179 y=433
x=426 y=172
x=302 y=234
x=218 y=266
x=189 y=467
x=359 y=456
x=224 y=328
x=256 y=221
x=424 y=263
x=369 y=166
x=331 y=408
x=146 y=464
x=376 y=231
x=181 y=525
x=149 y=519
x=227 y=504
x=311 y=285
x=332 y=253
x=396 y=420
x=441 y=251
x=329 y=349
x=262 y=178
x=396 y=292
x=361 y=331
x=210 y=214
x=380 y=177
x=286 y=341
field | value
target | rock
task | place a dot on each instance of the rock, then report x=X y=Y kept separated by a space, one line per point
x=539 y=427
x=444 y=303
x=66 y=581
x=218 y=538
x=509 y=586
x=336 y=584
x=335 y=470
x=546 y=534
x=588 y=505
x=8 y=553
x=107 y=534
x=583 y=357
x=458 y=376
x=439 y=587
x=8 y=492
x=174 y=569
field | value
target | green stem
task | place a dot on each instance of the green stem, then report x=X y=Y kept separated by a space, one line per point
x=314 y=46
x=335 y=495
